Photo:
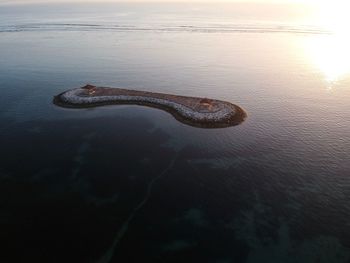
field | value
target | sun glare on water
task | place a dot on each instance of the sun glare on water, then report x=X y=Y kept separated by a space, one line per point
x=331 y=52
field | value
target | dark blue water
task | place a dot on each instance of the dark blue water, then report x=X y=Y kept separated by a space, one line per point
x=132 y=184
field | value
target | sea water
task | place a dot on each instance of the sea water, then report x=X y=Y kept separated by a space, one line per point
x=131 y=183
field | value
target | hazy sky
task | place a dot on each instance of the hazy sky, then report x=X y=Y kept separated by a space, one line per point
x=312 y=2
x=188 y=1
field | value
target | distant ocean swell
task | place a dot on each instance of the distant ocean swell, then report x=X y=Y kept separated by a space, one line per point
x=241 y=28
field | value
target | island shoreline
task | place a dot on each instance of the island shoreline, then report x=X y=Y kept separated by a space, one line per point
x=236 y=117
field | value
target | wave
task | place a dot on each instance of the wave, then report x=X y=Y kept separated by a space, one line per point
x=238 y=28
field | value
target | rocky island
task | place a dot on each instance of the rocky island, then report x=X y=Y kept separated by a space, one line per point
x=194 y=111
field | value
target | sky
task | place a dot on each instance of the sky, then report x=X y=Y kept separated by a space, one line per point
x=323 y=4
x=160 y=1
x=188 y=1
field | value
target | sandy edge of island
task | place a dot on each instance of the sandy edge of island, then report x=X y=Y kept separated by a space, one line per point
x=194 y=111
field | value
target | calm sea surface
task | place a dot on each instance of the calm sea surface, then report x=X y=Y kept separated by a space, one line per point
x=132 y=184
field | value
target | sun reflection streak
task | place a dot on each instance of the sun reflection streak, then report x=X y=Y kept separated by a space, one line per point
x=331 y=53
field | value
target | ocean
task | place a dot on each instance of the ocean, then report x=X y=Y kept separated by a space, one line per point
x=131 y=183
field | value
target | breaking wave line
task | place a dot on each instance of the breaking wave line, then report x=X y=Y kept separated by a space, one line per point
x=239 y=28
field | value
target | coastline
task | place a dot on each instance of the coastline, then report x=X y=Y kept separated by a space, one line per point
x=193 y=111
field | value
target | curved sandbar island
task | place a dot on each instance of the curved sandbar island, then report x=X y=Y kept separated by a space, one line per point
x=198 y=112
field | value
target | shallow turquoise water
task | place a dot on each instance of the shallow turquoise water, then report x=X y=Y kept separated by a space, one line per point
x=130 y=183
